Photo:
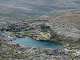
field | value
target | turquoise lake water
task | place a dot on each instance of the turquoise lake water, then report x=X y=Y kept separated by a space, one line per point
x=34 y=43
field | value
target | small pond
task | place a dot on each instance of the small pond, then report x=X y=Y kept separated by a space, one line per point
x=34 y=43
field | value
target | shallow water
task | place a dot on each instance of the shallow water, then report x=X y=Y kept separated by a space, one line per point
x=34 y=43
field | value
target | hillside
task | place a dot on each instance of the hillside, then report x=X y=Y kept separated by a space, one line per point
x=67 y=25
x=22 y=9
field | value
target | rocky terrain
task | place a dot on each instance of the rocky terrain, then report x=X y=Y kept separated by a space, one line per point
x=67 y=25
x=17 y=52
x=63 y=28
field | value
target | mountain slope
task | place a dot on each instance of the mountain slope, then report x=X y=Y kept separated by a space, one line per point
x=67 y=25
x=22 y=8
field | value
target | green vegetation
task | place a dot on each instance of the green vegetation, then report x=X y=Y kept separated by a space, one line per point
x=24 y=33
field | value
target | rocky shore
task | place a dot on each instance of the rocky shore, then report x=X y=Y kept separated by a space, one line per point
x=17 y=52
